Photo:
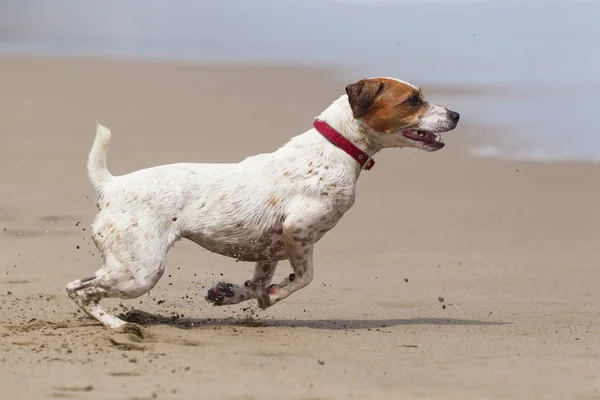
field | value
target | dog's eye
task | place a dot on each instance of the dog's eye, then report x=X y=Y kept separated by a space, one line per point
x=415 y=100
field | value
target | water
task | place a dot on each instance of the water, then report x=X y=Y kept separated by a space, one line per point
x=543 y=55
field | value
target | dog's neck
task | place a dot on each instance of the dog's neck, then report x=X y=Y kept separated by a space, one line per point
x=339 y=116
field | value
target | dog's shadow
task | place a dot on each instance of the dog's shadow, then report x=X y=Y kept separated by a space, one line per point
x=144 y=318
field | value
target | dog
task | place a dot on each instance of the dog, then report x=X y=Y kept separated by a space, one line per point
x=264 y=209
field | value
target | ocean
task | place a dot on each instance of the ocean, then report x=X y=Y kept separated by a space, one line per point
x=538 y=62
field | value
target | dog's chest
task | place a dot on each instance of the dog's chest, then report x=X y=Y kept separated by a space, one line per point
x=242 y=216
x=243 y=245
x=258 y=236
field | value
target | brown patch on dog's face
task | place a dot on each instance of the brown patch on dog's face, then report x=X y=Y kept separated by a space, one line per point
x=386 y=105
x=398 y=115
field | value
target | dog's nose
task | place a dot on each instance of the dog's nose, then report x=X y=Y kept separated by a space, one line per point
x=454 y=116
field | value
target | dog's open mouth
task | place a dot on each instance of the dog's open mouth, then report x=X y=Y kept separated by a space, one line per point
x=426 y=137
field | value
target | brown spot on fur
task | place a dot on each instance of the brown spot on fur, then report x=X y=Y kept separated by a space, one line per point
x=107 y=204
x=384 y=104
x=272 y=201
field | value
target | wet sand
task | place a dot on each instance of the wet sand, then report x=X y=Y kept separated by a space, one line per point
x=451 y=278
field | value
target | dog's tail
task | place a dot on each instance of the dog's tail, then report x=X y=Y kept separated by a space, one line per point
x=97 y=170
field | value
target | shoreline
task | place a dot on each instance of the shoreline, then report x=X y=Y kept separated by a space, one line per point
x=441 y=93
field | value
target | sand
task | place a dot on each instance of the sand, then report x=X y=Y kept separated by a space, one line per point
x=451 y=278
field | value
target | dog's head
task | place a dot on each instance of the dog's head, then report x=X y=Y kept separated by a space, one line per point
x=398 y=115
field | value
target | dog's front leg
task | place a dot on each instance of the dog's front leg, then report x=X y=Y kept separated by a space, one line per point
x=299 y=243
x=223 y=293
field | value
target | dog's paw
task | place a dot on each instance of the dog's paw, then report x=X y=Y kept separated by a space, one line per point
x=267 y=297
x=219 y=292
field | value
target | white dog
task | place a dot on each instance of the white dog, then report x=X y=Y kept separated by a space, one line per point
x=265 y=209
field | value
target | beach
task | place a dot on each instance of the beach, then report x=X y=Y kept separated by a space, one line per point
x=452 y=277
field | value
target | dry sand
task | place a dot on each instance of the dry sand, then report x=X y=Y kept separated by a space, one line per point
x=511 y=248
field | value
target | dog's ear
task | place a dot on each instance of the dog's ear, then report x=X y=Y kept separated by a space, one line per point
x=362 y=95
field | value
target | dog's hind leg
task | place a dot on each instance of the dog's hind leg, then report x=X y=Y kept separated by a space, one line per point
x=128 y=272
x=228 y=293
x=87 y=293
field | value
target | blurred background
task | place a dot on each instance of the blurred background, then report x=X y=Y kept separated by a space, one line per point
x=531 y=66
x=457 y=274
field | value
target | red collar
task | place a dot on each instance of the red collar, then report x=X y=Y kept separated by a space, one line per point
x=365 y=160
